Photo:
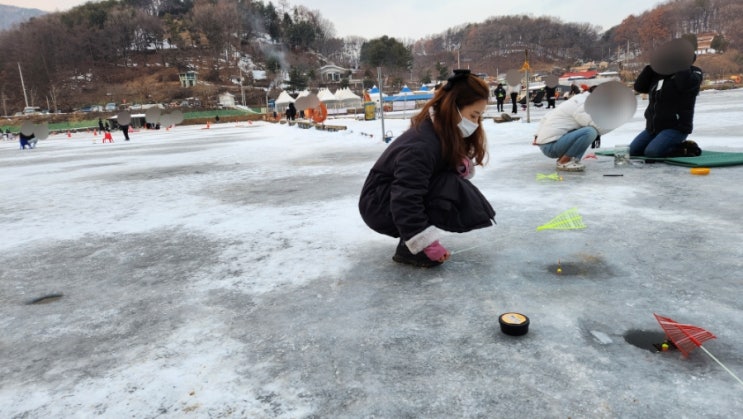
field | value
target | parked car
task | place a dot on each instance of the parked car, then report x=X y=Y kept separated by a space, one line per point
x=31 y=110
x=110 y=107
x=91 y=108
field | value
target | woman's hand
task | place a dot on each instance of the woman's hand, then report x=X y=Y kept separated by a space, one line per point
x=436 y=252
x=466 y=169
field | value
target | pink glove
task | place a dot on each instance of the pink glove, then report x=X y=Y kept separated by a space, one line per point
x=436 y=252
x=466 y=169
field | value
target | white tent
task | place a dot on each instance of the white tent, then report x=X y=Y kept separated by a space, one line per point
x=283 y=101
x=327 y=97
x=348 y=98
x=331 y=101
x=303 y=93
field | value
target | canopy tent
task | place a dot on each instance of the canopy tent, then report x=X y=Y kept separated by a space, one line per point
x=303 y=93
x=327 y=97
x=332 y=102
x=348 y=98
x=406 y=94
x=375 y=94
x=283 y=101
x=408 y=97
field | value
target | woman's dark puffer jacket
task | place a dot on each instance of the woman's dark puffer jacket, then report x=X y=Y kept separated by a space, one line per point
x=671 y=98
x=411 y=188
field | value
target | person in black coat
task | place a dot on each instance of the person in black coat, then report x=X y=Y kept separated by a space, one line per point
x=291 y=112
x=27 y=141
x=514 y=98
x=500 y=96
x=669 y=116
x=125 y=130
x=574 y=90
x=420 y=184
x=549 y=93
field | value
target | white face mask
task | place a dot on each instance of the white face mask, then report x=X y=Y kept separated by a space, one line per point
x=466 y=127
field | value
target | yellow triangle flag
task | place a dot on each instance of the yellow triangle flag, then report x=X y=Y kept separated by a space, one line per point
x=567 y=220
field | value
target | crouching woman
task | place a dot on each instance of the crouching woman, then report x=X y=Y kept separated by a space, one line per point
x=420 y=184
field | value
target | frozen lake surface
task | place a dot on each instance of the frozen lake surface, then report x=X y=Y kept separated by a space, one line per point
x=225 y=272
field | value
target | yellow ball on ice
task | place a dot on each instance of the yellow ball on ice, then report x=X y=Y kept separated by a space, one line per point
x=664 y=347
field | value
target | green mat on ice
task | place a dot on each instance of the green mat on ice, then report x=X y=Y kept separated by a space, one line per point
x=707 y=159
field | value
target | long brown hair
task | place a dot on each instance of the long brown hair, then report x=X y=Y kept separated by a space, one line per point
x=461 y=90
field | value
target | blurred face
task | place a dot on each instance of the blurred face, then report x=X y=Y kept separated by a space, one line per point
x=474 y=111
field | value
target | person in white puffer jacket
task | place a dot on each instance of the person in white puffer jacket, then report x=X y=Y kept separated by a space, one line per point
x=566 y=132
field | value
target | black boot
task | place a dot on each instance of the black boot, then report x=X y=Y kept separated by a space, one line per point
x=420 y=260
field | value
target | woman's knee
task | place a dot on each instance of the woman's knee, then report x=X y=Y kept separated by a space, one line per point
x=591 y=133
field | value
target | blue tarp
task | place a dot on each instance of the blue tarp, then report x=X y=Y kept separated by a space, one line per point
x=408 y=98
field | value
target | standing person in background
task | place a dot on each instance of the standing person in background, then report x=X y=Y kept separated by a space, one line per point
x=291 y=112
x=125 y=130
x=420 y=184
x=550 y=92
x=500 y=96
x=669 y=116
x=27 y=141
x=514 y=93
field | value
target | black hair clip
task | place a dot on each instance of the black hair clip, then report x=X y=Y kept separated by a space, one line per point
x=460 y=74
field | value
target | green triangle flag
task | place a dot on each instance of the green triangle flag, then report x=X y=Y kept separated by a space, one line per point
x=567 y=220
x=553 y=176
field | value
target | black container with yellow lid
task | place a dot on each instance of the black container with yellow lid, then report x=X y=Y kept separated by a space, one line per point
x=514 y=324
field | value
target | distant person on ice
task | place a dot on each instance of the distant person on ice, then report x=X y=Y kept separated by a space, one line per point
x=27 y=141
x=500 y=96
x=125 y=130
x=291 y=112
x=420 y=184
x=514 y=93
x=549 y=93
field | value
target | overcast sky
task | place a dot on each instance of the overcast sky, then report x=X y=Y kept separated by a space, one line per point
x=413 y=19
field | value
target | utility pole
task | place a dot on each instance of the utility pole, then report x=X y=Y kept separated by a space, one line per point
x=242 y=86
x=4 y=98
x=526 y=69
x=381 y=101
x=23 y=86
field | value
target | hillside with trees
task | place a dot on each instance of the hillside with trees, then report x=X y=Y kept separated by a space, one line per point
x=12 y=15
x=133 y=50
x=498 y=44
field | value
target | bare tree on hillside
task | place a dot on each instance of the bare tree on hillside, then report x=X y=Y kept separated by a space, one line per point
x=731 y=23
x=218 y=23
x=655 y=29
x=352 y=50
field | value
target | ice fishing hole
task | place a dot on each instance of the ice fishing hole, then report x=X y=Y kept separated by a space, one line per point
x=585 y=265
x=644 y=339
